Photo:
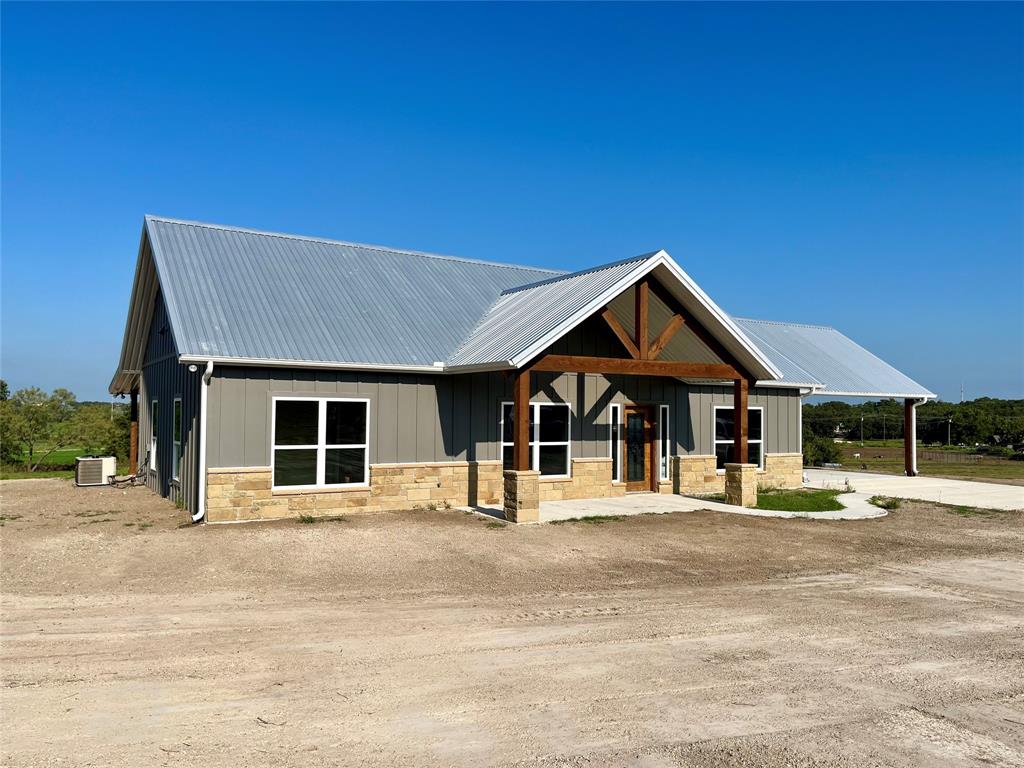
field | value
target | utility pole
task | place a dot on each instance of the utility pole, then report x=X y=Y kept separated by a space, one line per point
x=861 y=431
x=949 y=432
x=961 y=391
x=883 y=429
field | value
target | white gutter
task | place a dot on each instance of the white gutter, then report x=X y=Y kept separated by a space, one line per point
x=268 y=363
x=200 y=512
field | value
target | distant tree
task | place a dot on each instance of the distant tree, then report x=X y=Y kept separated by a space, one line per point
x=97 y=429
x=5 y=391
x=38 y=417
x=10 y=433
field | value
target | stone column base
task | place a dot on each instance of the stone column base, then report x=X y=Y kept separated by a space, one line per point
x=741 y=484
x=522 y=496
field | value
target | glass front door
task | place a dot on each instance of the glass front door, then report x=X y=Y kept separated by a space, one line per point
x=638 y=448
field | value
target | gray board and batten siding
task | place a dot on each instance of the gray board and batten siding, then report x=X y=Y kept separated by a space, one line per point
x=433 y=418
x=420 y=418
x=164 y=379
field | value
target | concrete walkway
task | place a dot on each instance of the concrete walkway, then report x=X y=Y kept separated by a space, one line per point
x=962 y=492
x=856 y=508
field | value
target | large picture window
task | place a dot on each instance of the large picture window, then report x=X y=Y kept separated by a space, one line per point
x=549 y=438
x=725 y=426
x=320 y=442
x=176 y=439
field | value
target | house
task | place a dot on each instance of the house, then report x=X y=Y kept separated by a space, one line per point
x=272 y=375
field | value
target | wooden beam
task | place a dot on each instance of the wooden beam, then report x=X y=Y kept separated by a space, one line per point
x=670 y=329
x=698 y=329
x=521 y=420
x=740 y=419
x=643 y=340
x=620 y=333
x=582 y=364
x=909 y=438
x=133 y=433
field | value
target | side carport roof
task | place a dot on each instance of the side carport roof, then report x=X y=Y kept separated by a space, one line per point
x=823 y=359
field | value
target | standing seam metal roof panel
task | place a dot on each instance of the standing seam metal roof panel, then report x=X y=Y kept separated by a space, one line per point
x=842 y=365
x=523 y=314
x=244 y=294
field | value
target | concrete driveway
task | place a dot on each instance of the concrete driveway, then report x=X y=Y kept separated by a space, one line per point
x=964 y=492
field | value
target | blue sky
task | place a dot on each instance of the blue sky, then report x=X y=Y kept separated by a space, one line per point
x=853 y=165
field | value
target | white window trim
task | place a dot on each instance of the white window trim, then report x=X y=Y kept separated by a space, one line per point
x=615 y=420
x=761 y=441
x=664 y=470
x=177 y=411
x=154 y=414
x=536 y=444
x=321 y=446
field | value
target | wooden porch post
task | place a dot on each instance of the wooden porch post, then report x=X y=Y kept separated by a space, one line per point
x=521 y=420
x=740 y=417
x=642 y=319
x=133 y=447
x=909 y=437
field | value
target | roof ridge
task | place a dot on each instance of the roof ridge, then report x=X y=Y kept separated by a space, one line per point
x=567 y=275
x=330 y=241
x=783 y=322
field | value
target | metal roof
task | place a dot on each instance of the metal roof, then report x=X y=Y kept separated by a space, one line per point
x=528 y=319
x=235 y=293
x=251 y=297
x=831 y=363
x=521 y=315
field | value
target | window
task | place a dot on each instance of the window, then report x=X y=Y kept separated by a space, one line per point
x=724 y=433
x=665 y=448
x=320 y=442
x=152 y=434
x=549 y=438
x=615 y=437
x=176 y=438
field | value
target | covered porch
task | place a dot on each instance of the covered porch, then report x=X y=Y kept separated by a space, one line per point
x=637 y=430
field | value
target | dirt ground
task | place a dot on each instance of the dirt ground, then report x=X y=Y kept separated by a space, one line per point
x=443 y=639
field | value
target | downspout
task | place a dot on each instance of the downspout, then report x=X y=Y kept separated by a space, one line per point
x=801 y=394
x=913 y=434
x=200 y=512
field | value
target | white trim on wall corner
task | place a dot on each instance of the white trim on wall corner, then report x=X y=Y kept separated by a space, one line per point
x=664 y=443
x=615 y=440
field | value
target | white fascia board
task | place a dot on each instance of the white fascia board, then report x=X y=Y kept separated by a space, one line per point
x=555 y=333
x=781 y=384
x=660 y=258
x=718 y=314
x=255 y=361
x=894 y=395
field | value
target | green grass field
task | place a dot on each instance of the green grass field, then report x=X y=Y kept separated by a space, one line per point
x=62 y=462
x=887 y=457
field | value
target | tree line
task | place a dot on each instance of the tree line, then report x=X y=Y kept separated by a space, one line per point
x=985 y=422
x=36 y=425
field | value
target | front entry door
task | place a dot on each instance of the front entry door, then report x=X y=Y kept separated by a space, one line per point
x=639 y=454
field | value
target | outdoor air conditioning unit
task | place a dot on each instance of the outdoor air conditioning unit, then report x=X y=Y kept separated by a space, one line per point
x=94 y=470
